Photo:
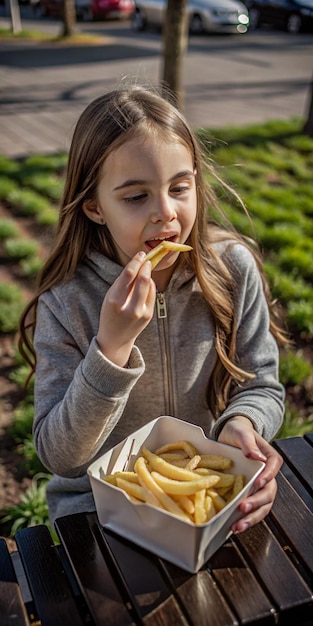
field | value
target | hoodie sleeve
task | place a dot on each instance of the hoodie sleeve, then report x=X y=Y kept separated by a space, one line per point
x=79 y=394
x=262 y=398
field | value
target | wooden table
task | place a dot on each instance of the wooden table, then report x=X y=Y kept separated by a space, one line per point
x=262 y=576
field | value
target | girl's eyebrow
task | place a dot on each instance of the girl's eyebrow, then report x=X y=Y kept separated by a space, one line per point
x=137 y=181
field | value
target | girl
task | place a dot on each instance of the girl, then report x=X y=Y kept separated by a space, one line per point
x=115 y=345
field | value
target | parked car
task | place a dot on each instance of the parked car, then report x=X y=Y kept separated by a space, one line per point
x=90 y=9
x=203 y=15
x=111 y=9
x=291 y=15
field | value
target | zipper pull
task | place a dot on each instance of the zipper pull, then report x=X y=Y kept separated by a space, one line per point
x=161 y=306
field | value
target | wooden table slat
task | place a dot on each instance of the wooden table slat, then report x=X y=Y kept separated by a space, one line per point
x=297 y=485
x=7 y=572
x=242 y=588
x=297 y=452
x=12 y=607
x=48 y=584
x=295 y=520
x=202 y=592
x=279 y=576
x=102 y=594
x=148 y=591
x=309 y=437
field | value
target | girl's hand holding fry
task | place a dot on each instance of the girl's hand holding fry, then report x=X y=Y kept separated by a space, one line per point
x=126 y=310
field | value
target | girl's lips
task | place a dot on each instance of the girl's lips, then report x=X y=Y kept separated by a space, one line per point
x=152 y=243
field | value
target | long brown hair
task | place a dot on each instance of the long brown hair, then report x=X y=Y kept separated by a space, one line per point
x=105 y=124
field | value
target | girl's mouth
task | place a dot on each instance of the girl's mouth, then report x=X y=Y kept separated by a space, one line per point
x=152 y=243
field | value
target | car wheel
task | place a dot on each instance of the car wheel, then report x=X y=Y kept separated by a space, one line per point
x=294 y=23
x=254 y=17
x=196 y=24
x=138 y=21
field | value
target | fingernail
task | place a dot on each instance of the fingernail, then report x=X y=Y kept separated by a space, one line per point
x=141 y=254
x=243 y=527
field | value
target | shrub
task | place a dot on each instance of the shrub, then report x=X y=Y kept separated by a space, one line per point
x=21 y=374
x=300 y=317
x=32 y=463
x=31 y=267
x=32 y=508
x=23 y=420
x=281 y=234
x=21 y=248
x=296 y=260
x=294 y=425
x=43 y=163
x=47 y=184
x=11 y=305
x=8 y=166
x=286 y=287
x=8 y=229
x=27 y=201
x=7 y=186
x=293 y=368
x=48 y=217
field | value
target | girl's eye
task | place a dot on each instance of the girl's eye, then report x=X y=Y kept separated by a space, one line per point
x=136 y=198
x=180 y=189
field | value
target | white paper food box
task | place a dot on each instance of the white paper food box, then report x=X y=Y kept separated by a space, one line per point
x=185 y=544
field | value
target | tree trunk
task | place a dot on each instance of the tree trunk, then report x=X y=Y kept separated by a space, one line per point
x=308 y=126
x=69 y=18
x=174 y=47
x=14 y=10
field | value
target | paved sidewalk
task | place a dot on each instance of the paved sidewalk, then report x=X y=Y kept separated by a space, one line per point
x=45 y=86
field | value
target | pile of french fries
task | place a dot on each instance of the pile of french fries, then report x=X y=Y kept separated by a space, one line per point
x=179 y=480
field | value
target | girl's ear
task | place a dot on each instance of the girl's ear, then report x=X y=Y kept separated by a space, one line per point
x=91 y=209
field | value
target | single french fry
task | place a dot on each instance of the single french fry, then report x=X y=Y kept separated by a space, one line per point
x=193 y=463
x=209 y=507
x=156 y=255
x=137 y=491
x=178 y=445
x=215 y=462
x=200 y=511
x=218 y=501
x=146 y=479
x=185 y=502
x=168 y=469
x=239 y=484
x=186 y=487
x=178 y=462
x=109 y=478
x=131 y=476
x=226 y=480
x=135 y=500
x=172 y=457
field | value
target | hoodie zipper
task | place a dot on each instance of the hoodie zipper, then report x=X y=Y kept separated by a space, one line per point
x=161 y=306
x=168 y=383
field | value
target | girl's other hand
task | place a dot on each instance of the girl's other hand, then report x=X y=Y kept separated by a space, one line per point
x=239 y=432
x=126 y=310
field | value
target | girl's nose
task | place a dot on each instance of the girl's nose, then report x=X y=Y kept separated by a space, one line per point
x=164 y=210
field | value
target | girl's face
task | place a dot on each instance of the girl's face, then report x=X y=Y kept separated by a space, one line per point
x=147 y=193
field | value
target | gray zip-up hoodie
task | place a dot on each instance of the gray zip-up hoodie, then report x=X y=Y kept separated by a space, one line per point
x=84 y=404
